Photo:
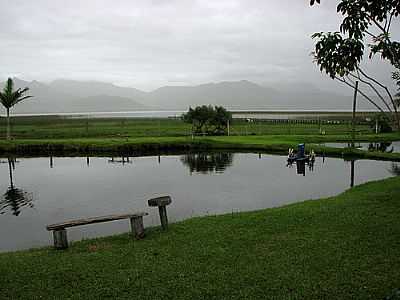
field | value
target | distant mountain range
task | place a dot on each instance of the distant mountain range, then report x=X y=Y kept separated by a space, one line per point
x=64 y=96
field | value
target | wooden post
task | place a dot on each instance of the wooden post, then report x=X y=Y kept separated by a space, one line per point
x=161 y=203
x=353 y=125
x=60 y=239
x=137 y=227
x=352 y=174
x=319 y=125
x=163 y=217
x=229 y=130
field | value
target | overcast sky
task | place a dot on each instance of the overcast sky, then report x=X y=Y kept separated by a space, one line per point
x=152 y=43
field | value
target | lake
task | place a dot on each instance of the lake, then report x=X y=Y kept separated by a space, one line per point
x=50 y=190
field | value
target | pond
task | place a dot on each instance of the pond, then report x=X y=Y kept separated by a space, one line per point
x=40 y=191
x=389 y=147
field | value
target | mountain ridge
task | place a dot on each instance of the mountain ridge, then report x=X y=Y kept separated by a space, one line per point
x=62 y=96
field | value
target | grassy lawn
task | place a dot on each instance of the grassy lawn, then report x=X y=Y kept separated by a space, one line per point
x=344 y=247
x=52 y=127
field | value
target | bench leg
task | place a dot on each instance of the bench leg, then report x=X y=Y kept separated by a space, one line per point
x=60 y=239
x=137 y=227
x=163 y=217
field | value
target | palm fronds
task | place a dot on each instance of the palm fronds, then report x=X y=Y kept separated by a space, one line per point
x=9 y=97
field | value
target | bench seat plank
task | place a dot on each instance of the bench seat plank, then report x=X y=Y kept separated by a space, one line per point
x=72 y=223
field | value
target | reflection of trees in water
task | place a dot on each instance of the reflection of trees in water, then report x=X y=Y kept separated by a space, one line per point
x=381 y=147
x=395 y=169
x=124 y=160
x=208 y=162
x=14 y=198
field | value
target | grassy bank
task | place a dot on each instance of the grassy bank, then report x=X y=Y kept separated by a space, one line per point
x=164 y=145
x=344 y=247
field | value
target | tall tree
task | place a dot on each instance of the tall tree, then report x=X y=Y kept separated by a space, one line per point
x=366 y=25
x=9 y=97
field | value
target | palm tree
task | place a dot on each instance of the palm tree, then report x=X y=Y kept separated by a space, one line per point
x=9 y=97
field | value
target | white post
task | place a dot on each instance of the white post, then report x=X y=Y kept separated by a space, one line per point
x=192 y=130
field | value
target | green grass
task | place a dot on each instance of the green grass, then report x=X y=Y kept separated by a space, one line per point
x=53 y=135
x=53 y=127
x=155 y=145
x=344 y=247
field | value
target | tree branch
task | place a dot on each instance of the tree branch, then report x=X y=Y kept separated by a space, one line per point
x=361 y=93
x=390 y=22
x=378 y=25
x=371 y=34
x=382 y=86
x=373 y=88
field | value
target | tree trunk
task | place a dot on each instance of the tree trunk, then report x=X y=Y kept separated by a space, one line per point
x=8 y=124
x=397 y=117
x=353 y=123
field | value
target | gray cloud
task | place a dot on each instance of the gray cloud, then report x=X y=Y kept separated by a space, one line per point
x=147 y=44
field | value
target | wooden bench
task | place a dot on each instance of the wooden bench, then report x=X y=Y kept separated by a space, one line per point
x=60 y=232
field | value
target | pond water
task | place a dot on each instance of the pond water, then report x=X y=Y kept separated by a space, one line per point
x=40 y=191
x=390 y=147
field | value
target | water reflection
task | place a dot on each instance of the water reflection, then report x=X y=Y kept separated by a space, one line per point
x=388 y=147
x=208 y=162
x=395 y=169
x=301 y=165
x=123 y=160
x=381 y=147
x=14 y=199
x=352 y=163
